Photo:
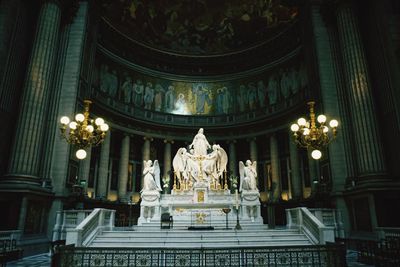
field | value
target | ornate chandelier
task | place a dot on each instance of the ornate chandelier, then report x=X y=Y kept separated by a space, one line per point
x=315 y=137
x=83 y=132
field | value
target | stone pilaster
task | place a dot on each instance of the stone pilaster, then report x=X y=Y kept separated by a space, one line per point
x=276 y=185
x=102 y=183
x=295 y=170
x=123 y=168
x=26 y=152
x=369 y=153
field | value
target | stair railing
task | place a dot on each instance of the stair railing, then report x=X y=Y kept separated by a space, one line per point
x=99 y=220
x=307 y=223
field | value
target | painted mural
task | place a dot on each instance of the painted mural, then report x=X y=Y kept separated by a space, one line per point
x=200 y=26
x=200 y=98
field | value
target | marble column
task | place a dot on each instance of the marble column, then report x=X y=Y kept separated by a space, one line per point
x=26 y=151
x=253 y=149
x=276 y=185
x=102 y=183
x=295 y=170
x=123 y=169
x=167 y=162
x=233 y=164
x=84 y=168
x=145 y=153
x=313 y=169
x=369 y=151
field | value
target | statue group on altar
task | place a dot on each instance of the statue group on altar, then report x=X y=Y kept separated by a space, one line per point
x=200 y=176
x=203 y=163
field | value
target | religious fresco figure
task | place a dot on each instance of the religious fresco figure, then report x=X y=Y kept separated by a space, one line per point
x=158 y=98
x=104 y=78
x=170 y=99
x=220 y=101
x=272 y=90
x=285 y=84
x=180 y=106
x=202 y=97
x=242 y=98
x=261 y=93
x=113 y=83
x=252 y=95
x=138 y=90
x=295 y=79
x=148 y=95
x=127 y=89
x=227 y=102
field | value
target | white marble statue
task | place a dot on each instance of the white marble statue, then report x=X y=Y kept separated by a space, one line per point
x=248 y=175
x=198 y=165
x=200 y=144
x=151 y=176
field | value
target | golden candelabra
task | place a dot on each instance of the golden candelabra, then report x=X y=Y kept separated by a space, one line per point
x=83 y=132
x=315 y=137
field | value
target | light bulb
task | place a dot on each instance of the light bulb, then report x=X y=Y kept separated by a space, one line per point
x=99 y=121
x=81 y=154
x=90 y=128
x=316 y=154
x=333 y=123
x=79 y=117
x=294 y=127
x=321 y=118
x=301 y=122
x=306 y=131
x=64 y=120
x=72 y=125
x=104 y=127
x=325 y=129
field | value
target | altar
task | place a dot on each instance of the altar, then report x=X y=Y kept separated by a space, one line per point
x=200 y=194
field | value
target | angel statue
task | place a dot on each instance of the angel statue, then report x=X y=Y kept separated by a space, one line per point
x=248 y=175
x=151 y=173
x=215 y=162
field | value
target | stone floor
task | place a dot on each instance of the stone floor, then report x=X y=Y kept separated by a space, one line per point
x=43 y=260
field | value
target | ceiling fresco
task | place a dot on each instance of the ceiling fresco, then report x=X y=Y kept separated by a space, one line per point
x=200 y=27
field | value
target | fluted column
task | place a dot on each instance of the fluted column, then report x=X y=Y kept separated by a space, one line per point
x=253 y=149
x=295 y=170
x=276 y=185
x=123 y=168
x=167 y=160
x=369 y=153
x=102 y=183
x=26 y=152
x=145 y=153
x=232 y=158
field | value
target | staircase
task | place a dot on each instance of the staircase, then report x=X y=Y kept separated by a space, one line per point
x=179 y=237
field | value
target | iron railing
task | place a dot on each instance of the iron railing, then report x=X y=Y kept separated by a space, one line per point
x=331 y=255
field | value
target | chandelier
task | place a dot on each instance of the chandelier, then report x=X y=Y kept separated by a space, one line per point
x=315 y=137
x=83 y=132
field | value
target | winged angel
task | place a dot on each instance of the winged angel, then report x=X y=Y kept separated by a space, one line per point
x=186 y=165
x=151 y=173
x=248 y=175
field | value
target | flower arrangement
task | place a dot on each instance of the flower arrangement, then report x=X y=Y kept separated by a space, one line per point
x=234 y=181
x=165 y=181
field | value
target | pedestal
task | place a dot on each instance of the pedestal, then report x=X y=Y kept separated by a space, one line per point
x=149 y=207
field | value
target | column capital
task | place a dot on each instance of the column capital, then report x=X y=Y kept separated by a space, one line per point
x=169 y=141
x=249 y=139
x=145 y=138
x=232 y=141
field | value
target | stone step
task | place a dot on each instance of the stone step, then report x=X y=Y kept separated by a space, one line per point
x=203 y=245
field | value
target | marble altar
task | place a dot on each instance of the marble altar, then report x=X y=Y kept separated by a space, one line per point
x=200 y=188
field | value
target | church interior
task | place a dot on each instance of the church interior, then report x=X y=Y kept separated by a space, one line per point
x=158 y=133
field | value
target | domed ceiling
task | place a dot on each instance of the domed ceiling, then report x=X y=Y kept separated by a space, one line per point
x=200 y=27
